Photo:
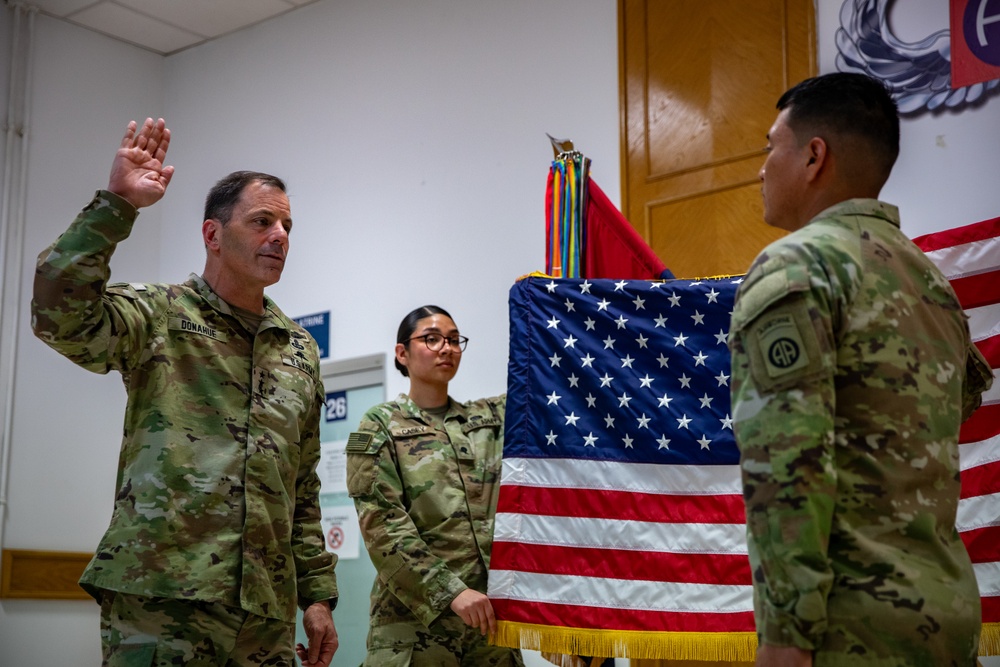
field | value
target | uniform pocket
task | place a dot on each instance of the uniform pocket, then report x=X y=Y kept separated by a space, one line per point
x=133 y=652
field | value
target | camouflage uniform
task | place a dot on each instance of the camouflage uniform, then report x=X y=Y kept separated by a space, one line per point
x=852 y=370
x=217 y=492
x=426 y=494
x=137 y=631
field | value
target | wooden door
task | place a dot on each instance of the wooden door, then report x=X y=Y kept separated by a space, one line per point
x=699 y=83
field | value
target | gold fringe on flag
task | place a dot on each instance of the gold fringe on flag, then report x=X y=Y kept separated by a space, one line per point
x=989 y=639
x=709 y=646
x=534 y=274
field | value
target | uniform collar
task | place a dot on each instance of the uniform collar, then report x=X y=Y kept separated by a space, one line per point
x=410 y=409
x=873 y=208
x=273 y=317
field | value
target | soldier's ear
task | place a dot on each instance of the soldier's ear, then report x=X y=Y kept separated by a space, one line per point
x=401 y=353
x=210 y=234
x=816 y=152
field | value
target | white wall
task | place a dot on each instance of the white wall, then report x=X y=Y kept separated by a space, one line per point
x=411 y=134
x=67 y=422
x=946 y=173
x=412 y=138
x=6 y=32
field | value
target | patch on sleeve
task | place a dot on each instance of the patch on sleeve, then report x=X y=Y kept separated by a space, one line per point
x=781 y=345
x=363 y=447
x=358 y=442
x=784 y=347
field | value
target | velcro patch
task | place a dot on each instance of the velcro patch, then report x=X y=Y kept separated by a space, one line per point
x=182 y=324
x=298 y=363
x=409 y=430
x=781 y=345
x=480 y=423
x=358 y=442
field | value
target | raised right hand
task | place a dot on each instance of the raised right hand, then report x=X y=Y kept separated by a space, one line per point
x=137 y=173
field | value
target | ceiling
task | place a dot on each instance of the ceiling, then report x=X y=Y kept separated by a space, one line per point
x=165 y=26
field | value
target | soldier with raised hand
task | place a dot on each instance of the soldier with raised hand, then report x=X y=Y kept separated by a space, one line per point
x=852 y=371
x=424 y=472
x=215 y=537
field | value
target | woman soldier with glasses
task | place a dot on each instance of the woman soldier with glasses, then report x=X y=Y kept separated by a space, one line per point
x=424 y=472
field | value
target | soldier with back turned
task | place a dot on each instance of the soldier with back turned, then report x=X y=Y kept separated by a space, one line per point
x=852 y=371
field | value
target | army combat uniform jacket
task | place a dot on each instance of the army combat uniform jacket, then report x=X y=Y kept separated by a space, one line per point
x=852 y=371
x=217 y=494
x=426 y=499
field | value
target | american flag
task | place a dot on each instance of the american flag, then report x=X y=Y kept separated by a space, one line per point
x=620 y=522
x=970 y=258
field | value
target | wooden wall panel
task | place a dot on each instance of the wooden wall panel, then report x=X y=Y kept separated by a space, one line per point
x=699 y=84
x=51 y=575
x=686 y=663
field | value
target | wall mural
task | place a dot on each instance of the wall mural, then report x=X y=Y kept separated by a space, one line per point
x=922 y=75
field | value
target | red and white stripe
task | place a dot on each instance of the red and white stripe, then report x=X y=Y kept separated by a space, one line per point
x=970 y=258
x=589 y=537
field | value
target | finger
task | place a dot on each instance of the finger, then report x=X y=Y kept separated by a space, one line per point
x=327 y=655
x=491 y=619
x=155 y=137
x=129 y=133
x=314 y=647
x=478 y=619
x=165 y=175
x=142 y=136
x=163 y=145
x=484 y=622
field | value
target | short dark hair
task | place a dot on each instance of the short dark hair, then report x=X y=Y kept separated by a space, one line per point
x=409 y=325
x=850 y=105
x=223 y=196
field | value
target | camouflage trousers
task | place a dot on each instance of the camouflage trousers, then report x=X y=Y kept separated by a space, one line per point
x=139 y=631
x=447 y=643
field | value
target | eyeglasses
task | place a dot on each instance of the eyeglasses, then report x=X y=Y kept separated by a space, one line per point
x=435 y=341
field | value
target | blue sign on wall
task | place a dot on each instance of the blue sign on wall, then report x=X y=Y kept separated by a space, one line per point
x=318 y=326
x=336 y=406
